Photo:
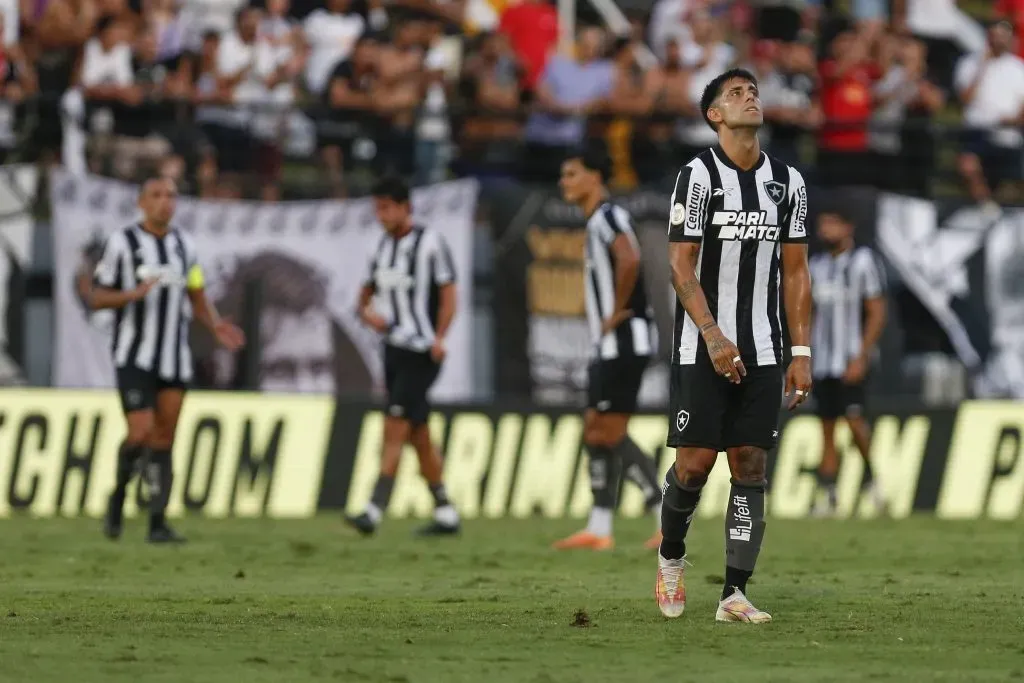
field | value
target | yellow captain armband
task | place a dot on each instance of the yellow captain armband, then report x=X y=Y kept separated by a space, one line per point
x=195 y=278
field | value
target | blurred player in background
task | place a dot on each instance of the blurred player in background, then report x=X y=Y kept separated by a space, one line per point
x=732 y=207
x=849 y=317
x=149 y=274
x=413 y=278
x=624 y=339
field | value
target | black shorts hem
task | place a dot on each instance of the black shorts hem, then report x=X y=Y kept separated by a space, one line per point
x=686 y=443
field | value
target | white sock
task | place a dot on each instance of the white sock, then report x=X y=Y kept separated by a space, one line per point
x=600 y=523
x=374 y=513
x=446 y=515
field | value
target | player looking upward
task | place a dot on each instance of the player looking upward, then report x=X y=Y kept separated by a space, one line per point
x=849 y=317
x=623 y=340
x=150 y=275
x=412 y=276
x=737 y=220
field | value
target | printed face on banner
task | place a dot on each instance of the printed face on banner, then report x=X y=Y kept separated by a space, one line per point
x=304 y=262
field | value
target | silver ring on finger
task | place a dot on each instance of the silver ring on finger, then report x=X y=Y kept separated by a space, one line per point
x=736 y=359
x=801 y=392
x=728 y=374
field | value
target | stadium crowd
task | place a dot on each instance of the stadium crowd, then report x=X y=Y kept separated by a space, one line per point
x=220 y=93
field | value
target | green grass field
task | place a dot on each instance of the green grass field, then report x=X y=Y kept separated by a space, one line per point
x=254 y=601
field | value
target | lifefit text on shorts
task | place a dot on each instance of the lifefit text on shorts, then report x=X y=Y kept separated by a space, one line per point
x=742 y=524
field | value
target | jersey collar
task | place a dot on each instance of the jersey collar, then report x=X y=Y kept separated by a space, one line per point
x=724 y=158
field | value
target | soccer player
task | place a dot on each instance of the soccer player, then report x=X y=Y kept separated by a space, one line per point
x=736 y=223
x=624 y=338
x=413 y=279
x=149 y=274
x=849 y=316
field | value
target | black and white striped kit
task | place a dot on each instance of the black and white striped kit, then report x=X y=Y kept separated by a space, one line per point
x=739 y=218
x=151 y=334
x=636 y=336
x=406 y=274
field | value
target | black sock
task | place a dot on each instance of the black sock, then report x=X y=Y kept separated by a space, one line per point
x=869 y=474
x=677 y=510
x=744 y=532
x=382 y=492
x=605 y=471
x=640 y=468
x=735 y=579
x=827 y=483
x=127 y=457
x=440 y=494
x=160 y=477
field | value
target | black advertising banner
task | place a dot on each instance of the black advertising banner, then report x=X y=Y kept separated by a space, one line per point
x=252 y=455
x=543 y=342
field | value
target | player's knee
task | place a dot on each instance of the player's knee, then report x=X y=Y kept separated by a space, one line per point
x=968 y=164
x=396 y=429
x=750 y=466
x=140 y=429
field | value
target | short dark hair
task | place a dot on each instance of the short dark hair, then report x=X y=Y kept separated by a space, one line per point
x=593 y=158
x=714 y=89
x=393 y=188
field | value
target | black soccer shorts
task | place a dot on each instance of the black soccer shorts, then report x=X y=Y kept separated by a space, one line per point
x=139 y=388
x=833 y=398
x=708 y=411
x=614 y=384
x=408 y=376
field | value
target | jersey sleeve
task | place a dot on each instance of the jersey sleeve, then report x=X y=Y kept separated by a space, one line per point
x=690 y=200
x=195 y=278
x=616 y=222
x=441 y=258
x=108 y=270
x=795 y=229
x=871 y=274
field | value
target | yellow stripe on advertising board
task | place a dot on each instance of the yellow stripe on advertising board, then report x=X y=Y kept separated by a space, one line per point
x=235 y=454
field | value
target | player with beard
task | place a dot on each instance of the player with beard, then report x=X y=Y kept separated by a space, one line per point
x=623 y=340
x=149 y=274
x=736 y=229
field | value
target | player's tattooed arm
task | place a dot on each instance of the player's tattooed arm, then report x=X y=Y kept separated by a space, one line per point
x=723 y=352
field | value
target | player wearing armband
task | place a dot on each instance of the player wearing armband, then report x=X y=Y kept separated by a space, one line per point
x=150 y=276
x=737 y=239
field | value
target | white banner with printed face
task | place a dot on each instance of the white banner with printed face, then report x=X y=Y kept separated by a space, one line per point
x=311 y=259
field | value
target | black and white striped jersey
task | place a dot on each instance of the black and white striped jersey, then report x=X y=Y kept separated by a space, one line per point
x=739 y=218
x=406 y=275
x=636 y=336
x=151 y=334
x=841 y=283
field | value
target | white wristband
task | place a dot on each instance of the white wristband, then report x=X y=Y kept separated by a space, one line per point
x=801 y=351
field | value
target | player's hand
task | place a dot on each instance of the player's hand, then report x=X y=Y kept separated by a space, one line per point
x=614 y=320
x=140 y=292
x=229 y=336
x=798 y=381
x=438 y=350
x=855 y=371
x=724 y=355
x=374 y=320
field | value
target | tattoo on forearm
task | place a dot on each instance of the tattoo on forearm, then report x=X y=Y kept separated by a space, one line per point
x=687 y=290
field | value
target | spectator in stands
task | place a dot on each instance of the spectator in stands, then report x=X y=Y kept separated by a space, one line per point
x=433 y=130
x=569 y=90
x=780 y=19
x=1013 y=12
x=111 y=97
x=491 y=86
x=17 y=82
x=206 y=91
x=532 y=30
x=991 y=89
x=891 y=94
x=629 y=103
x=846 y=99
x=656 y=152
x=169 y=29
x=280 y=60
x=331 y=34
x=350 y=111
x=398 y=90
x=917 y=142
x=154 y=122
x=240 y=83
x=707 y=56
x=789 y=94
x=945 y=30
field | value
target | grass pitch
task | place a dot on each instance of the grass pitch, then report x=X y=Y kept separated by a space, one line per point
x=254 y=601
